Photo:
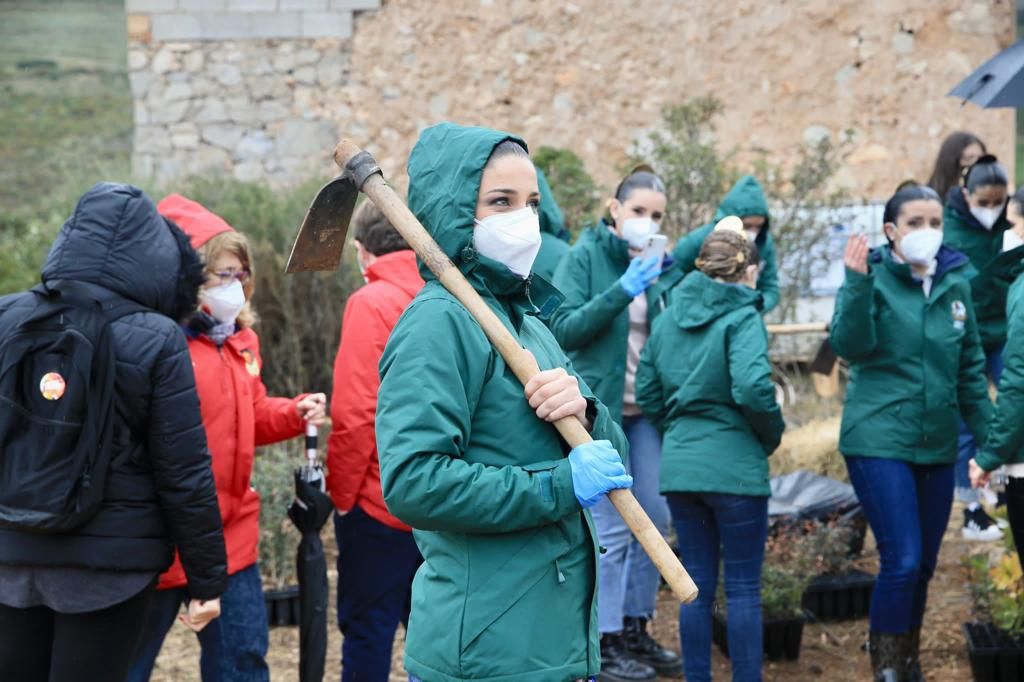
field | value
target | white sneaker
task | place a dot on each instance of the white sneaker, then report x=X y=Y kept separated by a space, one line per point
x=979 y=526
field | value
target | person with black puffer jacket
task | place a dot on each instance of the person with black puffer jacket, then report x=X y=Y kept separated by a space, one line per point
x=72 y=603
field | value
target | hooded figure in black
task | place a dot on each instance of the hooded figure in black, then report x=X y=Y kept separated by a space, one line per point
x=72 y=604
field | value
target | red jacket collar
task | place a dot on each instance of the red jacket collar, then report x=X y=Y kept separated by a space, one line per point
x=398 y=268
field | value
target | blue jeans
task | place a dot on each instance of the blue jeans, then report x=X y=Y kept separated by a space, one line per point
x=628 y=581
x=967 y=448
x=234 y=646
x=908 y=507
x=376 y=565
x=734 y=527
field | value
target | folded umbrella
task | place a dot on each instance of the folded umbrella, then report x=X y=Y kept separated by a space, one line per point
x=999 y=82
x=309 y=512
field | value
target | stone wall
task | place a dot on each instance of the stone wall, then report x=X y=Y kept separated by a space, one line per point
x=237 y=86
x=590 y=75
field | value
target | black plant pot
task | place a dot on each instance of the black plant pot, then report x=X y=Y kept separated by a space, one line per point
x=839 y=597
x=995 y=656
x=782 y=636
x=282 y=606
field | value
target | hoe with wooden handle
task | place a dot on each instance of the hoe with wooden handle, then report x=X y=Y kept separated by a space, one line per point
x=318 y=247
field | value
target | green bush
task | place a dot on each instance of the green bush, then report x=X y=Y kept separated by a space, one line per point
x=575 y=191
x=273 y=479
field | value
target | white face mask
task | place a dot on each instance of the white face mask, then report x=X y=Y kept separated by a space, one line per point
x=752 y=235
x=224 y=301
x=510 y=238
x=637 y=230
x=1011 y=240
x=986 y=216
x=920 y=246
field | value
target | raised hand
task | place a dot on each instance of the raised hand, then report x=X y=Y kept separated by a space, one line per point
x=856 y=256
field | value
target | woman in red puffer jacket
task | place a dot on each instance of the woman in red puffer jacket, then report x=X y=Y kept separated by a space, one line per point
x=238 y=416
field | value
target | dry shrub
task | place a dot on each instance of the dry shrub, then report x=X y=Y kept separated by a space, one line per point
x=812 y=447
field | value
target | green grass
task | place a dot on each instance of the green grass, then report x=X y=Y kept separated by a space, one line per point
x=66 y=119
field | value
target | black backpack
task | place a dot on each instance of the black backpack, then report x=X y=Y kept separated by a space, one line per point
x=57 y=369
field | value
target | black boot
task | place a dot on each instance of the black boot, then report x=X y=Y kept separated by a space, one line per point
x=914 y=672
x=642 y=647
x=617 y=666
x=888 y=656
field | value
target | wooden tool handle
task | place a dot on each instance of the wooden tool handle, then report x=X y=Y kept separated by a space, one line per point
x=522 y=363
x=801 y=328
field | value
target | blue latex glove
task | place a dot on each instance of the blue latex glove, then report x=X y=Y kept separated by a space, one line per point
x=596 y=469
x=640 y=274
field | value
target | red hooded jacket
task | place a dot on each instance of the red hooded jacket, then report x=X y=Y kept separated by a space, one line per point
x=237 y=413
x=370 y=314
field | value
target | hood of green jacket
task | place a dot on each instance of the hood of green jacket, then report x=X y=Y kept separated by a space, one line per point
x=551 y=219
x=699 y=300
x=746 y=198
x=445 y=168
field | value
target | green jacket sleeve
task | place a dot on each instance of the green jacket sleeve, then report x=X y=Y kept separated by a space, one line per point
x=751 y=376
x=853 y=333
x=1006 y=430
x=768 y=280
x=432 y=374
x=649 y=390
x=972 y=386
x=581 y=317
x=687 y=250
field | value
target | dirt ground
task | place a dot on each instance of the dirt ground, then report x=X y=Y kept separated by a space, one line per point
x=830 y=652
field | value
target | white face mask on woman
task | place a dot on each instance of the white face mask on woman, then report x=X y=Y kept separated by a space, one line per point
x=224 y=301
x=920 y=246
x=637 y=230
x=986 y=216
x=512 y=239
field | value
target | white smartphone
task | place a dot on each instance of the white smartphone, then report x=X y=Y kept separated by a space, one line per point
x=655 y=246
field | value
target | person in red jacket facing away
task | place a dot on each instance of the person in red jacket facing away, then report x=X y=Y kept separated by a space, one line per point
x=238 y=416
x=377 y=556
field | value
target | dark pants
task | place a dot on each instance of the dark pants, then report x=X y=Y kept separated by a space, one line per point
x=376 y=565
x=234 y=646
x=908 y=507
x=40 y=645
x=1015 y=511
x=734 y=527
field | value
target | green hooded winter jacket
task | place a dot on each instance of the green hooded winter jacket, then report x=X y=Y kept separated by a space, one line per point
x=917 y=363
x=593 y=323
x=1005 y=444
x=507 y=590
x=706 y=382
x=745 y=198
x=995 y=270
x=554 y=237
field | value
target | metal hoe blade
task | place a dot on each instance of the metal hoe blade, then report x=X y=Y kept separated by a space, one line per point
x=321 y=238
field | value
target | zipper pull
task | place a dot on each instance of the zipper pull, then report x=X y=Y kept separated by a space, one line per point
x=561 y=576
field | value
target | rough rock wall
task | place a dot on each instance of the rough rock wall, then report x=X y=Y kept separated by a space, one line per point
x=590 y=75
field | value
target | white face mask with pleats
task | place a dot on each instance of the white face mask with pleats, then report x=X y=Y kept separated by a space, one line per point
x=512 y=239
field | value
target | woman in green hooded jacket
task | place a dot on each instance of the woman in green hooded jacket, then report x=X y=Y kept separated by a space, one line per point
x=746 y=199
x=612 y=295
x=706 y=382
x=905 y=323
x=1005 y=443
x=507 y=590
x=975 y=224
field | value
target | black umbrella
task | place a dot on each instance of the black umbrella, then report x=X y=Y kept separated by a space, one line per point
x=309 y=512
x=998 y=83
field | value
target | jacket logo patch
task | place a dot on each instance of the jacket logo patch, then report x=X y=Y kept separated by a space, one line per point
x=251 y=366
x=52 y=386
x=959 y=314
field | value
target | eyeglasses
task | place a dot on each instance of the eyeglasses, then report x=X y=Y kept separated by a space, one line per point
x=225 y=277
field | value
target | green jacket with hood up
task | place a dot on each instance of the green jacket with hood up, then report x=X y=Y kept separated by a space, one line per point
x=1005 y=444
x=706 y=382
x=507 y=590
x=995 y=270
x=745 y=198
x=554 y=237
x=593 y=323
x=916 y=362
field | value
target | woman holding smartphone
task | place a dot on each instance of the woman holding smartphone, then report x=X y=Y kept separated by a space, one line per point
x=612 y=295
